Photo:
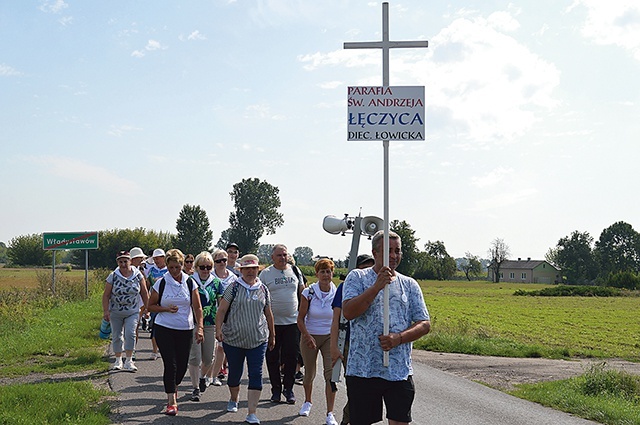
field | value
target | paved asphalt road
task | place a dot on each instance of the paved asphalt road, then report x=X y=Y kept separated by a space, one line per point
x=441 y=399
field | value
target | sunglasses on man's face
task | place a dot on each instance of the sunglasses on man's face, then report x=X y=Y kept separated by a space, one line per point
x=206 y=267
x=220 y=260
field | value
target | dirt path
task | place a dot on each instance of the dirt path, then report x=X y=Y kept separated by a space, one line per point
x=504 y=372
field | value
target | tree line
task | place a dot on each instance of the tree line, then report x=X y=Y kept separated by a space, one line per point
x=612 y=260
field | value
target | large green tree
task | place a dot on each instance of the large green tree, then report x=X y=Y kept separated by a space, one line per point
x=444 y=264
x=3 y=253
x=303 y=255
x=499 y=252
x=409 y=263
x=574 y=255
x=114 y=240
x=194 y=234
x=256 y=213
x=26 y=250
x=264 y=253
x=470 y=265
x=618 y=249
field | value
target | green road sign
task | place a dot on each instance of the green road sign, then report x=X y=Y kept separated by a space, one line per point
x=76 y=240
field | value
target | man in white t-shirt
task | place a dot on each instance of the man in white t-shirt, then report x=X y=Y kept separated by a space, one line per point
x=285 y=286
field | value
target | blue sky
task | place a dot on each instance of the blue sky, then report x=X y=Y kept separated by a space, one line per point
x=116 y=114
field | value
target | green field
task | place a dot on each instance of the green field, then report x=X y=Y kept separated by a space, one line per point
x=580 y=326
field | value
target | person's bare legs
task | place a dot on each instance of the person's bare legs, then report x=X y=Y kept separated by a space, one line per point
x=234 y=393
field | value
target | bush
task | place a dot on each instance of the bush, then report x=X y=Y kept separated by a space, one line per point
x=573 y=291
x=599 y=381
x=627 y=280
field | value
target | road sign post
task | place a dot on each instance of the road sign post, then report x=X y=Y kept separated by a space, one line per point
x=70 y=240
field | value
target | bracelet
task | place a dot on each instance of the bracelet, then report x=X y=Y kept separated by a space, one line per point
x=400 y=333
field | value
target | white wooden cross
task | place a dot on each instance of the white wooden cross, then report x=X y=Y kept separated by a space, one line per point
x=385 y=45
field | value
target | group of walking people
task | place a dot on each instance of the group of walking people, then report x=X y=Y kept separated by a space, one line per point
x=214 y=308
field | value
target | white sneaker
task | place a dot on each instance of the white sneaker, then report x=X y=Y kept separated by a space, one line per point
x=155 y=356
x=331 y=420
x=305 y=409
x=130 y=366
x=118 y=364
x=217 y=382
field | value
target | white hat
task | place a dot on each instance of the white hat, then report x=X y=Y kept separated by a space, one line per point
x=249 y=260
x=158 y=252
x=137 y=253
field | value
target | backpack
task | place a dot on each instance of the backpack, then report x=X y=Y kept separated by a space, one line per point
x=190 y=284
x=301 y=279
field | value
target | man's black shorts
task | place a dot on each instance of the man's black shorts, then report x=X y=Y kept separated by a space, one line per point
x=366 y=396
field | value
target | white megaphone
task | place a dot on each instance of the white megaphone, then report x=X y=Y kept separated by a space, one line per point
x=335 y=225
x=371 y=224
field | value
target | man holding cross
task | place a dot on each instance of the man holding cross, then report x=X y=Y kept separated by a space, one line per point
x=369 y=382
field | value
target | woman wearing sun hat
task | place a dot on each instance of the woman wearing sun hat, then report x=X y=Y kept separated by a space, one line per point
x=120 y=305
x=246 y=332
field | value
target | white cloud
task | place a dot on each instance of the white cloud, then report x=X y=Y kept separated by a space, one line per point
x=81 y=171
x=7 y=71
x=151 y=46
x=504 y=199
x=154 y=45
x=488 y=83
x=614 y=22
x=331 y=84
x=120 y=130
x=195 y=35
x=338 y=57
x=262 y=111
x=55 y=6
x=480 y=82
x=492 y=178
x=66 y=20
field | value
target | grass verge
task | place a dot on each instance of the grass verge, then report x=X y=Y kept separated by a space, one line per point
x=44 y=334
x=607 y=396
x=54 y=403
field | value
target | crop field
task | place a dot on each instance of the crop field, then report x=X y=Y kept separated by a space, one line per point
x=584 y=326
x=28 y=278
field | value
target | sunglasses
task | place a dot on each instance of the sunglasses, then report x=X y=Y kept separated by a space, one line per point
x=188 y=261
x=205 y=267
x=221 y=260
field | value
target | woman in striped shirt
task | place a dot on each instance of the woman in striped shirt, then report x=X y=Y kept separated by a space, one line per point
x=244 y=325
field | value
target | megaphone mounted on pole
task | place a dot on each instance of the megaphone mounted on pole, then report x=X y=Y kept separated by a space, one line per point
x=335 y=226
x=370 y=225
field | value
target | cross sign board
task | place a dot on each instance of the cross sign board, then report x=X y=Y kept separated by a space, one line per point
x=386 y=113
x=385 y=45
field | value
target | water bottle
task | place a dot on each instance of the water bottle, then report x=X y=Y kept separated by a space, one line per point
x=105 y=329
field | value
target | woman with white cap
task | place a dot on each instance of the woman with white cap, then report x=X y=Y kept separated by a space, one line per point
x=247 y=333
x=120 y=305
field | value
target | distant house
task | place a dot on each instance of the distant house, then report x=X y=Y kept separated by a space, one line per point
x=528 y=271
